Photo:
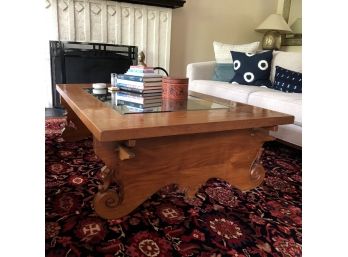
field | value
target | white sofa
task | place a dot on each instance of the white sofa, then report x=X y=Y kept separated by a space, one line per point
x=200 y=75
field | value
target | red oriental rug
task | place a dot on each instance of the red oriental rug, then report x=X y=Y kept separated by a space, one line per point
x=220 y=221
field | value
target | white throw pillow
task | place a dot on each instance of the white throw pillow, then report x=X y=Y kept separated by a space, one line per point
x=223 y=51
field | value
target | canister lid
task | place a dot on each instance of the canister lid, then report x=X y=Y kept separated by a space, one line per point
x=175 y=80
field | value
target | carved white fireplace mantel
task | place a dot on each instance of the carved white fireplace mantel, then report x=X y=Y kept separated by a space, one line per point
x=147 y=27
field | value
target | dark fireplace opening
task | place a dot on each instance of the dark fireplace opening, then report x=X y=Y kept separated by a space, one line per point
x=79 y=62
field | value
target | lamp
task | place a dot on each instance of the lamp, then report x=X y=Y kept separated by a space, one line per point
x=273 y=25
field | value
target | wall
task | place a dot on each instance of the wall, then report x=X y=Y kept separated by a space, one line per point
x=200 y=22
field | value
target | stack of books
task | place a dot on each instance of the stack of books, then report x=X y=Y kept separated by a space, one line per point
x=136 y=100
x=139 y=88
x=140 y=79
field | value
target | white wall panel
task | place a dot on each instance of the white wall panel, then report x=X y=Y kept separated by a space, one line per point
x=96 y=25
x=111 y=22
x=151 y=37
x=126 y=25
x=63 y=19
x=164 y=39
x=138 y=26
x=79 y=16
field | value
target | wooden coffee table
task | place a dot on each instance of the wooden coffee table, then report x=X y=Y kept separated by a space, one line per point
x=144 y=152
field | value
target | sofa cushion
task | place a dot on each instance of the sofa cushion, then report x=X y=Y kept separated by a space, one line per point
x=233 y=92
x=287 y=81
x=289 y=103
x=288 y=60
x=222 y=51
x=290 y=133
x=252 y=68
x=223 y=72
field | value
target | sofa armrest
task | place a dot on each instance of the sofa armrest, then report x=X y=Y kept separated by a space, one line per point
x=200 y=70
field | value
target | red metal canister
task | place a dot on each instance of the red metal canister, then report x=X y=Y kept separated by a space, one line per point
x=174 y=88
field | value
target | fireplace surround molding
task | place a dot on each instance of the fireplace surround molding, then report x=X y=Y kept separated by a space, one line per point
x=112 y=22
x=161 y=3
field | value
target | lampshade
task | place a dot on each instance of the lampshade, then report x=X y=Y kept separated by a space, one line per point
x=274 y=22
x=296 y=27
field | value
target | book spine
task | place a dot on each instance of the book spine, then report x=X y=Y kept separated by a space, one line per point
x=140 y=70
x=140 y=78
x=130 y=99
x=138 y=90
x=127 y=93
x=139 y=100
x=138 y=95
x=127 y=85
x=131 y=77
x=139 y=84
x=137 y=105
x=142 y=74
x=134 y=109
x=130 y=89
x=122 y=102
x=130 y=82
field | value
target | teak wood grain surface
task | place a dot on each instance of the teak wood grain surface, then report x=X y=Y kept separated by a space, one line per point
x=144 y=152
x=107 y=124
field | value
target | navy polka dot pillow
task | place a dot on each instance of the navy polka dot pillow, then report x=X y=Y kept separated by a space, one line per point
x=287 y=80
x=252 y=68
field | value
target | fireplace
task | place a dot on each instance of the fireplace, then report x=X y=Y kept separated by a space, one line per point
x=77 y=62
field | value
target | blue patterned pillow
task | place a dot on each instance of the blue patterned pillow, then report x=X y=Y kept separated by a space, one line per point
x=252 y=68
x=223 y=72
x=287 y=80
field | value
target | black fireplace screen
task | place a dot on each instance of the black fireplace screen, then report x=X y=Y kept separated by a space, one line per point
x=77 y=62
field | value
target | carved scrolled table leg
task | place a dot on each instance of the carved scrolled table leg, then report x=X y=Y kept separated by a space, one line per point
x=106 y=200
x=257 y=172
x=186 y=160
